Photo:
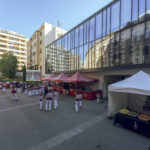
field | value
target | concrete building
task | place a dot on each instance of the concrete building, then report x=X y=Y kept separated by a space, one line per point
x=113 y=43
x=14 y=43
x=46 y=34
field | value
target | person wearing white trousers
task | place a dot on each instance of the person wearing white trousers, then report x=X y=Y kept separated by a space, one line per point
x=77 y=102
x=80 y=100
x=41 y=102
x=55 y=95
x=14 y=95
x=49 y=98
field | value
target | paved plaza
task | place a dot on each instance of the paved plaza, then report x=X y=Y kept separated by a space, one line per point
x=24 y=127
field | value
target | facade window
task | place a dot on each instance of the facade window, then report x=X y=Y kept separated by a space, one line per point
x=108 y=20
x=148 y=5
x=138 y=36
x=134 y=10
x=84 y=33
x=146 y=50
x=41 y=33
x=76 y=37
x=125 y=15
x=115 y=8
x=104 y=22
x=40 y=42
x=40 y=50
x=141 y=8
x=98 y=25
x=81 y=35
x=147 y=34
x=92 y=29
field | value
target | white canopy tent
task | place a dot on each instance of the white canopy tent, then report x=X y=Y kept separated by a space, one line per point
x=129 y=93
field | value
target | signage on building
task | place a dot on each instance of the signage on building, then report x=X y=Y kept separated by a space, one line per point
x=33 y=75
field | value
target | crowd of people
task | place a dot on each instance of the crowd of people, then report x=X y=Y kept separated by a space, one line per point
x=47 y=96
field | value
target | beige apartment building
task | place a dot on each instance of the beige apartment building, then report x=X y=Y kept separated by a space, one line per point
x=14 y=43
x=46 y=34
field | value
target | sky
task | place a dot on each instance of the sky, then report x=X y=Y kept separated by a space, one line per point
x=26 y=16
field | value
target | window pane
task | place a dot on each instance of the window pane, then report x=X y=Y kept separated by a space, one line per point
x=68 y=41
x=104 y=22
x=92 y=29
x=86 y=58
x=80 y=57
x=135 y=10
x=85 y=33
x=87 y=30
x=115 y=16
x=76 y=37
x=125 y=15
x=108 y=20
x=148 y=5
x=72 y=39
x=81 y=35
x=141 y=7
x=99 y=26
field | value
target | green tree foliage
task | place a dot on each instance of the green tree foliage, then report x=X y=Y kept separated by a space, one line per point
x=8 y=65
x=24 y=73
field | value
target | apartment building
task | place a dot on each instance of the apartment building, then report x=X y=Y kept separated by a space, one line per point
x=14 y=43
x=42 y=37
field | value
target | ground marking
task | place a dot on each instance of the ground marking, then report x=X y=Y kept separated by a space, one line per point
x=17 y=107
x=55 y=141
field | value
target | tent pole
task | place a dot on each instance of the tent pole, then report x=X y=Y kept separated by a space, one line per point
x=76 y=87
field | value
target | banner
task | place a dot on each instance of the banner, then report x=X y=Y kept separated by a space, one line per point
x=33 y=75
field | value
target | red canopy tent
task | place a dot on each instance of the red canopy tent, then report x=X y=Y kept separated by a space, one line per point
x=60 y=78
x=49 y=78
x=79 y=78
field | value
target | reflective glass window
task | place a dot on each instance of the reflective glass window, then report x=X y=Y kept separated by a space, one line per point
x=134 y=10
x=84 y=33
x=148 y=5
x=87 y=31
x=80 y=58
x=108 y=20
x=68 y=41
x=86 y=57
x=104 y=22
x=125 y=15
x=115 y=16
x=72 y=39
x=76 y=37
x=92 y=29
x=81 y=35
x=141 y=7
x=98 y=25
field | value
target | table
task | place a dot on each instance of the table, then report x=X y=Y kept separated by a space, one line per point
x=133 y=123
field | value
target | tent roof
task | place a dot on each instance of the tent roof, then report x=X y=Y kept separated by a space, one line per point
x=49 y=78
x=60 y=78
x=138 y=84
x=78 y=78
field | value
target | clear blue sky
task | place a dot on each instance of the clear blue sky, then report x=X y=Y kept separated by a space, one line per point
x=26 y=16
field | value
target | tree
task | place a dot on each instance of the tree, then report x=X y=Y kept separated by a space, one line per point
x=8 y=65
x=24 y=73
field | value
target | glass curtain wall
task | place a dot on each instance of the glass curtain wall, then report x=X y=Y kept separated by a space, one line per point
x=116 y=35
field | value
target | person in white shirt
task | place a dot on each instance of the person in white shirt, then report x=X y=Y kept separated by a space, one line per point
x=55 y=96
x=49 y=98
x=77 y=101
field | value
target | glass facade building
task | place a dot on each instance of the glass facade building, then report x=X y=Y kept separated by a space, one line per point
x=117 y=35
